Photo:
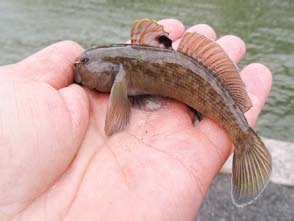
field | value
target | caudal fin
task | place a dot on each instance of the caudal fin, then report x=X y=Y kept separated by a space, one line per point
x=252 y=167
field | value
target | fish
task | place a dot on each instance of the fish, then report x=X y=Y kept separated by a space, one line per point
x=199 y=74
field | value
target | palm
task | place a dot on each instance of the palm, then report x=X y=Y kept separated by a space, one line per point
x=141 y=166
x=159 y=168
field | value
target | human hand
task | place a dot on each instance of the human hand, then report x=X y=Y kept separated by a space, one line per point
x=57 y=164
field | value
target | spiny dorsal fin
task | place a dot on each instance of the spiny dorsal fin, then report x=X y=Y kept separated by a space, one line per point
x=214 y=57
x=149 y=32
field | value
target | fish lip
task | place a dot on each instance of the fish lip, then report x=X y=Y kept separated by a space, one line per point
x=77 y=76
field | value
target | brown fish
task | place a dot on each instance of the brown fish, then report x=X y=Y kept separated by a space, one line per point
x=200 y=74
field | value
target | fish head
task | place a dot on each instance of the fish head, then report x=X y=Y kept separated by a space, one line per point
x=92 y=71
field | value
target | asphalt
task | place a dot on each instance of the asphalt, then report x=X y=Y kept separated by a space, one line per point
x=275 y=204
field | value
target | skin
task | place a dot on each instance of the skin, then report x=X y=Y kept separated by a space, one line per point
x=57 y=164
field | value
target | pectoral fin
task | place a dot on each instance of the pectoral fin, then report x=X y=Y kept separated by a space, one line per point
x=119 y=108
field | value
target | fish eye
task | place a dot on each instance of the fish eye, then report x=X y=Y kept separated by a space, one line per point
x=84 y=59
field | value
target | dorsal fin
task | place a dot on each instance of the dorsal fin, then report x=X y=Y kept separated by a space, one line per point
x=149 y=32
x=214 y=57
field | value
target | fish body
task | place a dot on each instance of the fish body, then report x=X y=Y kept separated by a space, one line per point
x=158 y=71
x=199 y=74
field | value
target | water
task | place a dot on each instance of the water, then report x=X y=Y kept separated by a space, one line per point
x=267 y=26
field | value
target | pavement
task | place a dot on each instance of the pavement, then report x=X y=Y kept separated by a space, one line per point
x=275 y=204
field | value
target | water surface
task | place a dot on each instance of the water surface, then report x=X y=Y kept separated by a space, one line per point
x=267 y=27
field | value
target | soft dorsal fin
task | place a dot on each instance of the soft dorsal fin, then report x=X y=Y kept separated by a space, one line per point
x=214 y=57
x=149 y=32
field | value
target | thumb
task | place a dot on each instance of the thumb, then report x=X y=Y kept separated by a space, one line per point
x=77 y=104
x=52 y=65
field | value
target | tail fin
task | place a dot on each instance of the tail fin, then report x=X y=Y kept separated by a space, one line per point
x=252 y=167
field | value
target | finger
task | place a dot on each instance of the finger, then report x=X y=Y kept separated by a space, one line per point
x=234 y=46
x=200 y=28
x=258 y=80
x=174 y=27
x=203 y=29
x=52 y=65
x=77 y=104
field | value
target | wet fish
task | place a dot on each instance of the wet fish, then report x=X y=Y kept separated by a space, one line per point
x=199 y=74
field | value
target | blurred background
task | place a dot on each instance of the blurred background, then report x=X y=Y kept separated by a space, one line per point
x=267 y=27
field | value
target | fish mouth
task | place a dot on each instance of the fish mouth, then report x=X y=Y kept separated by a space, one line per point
x=77 y=76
